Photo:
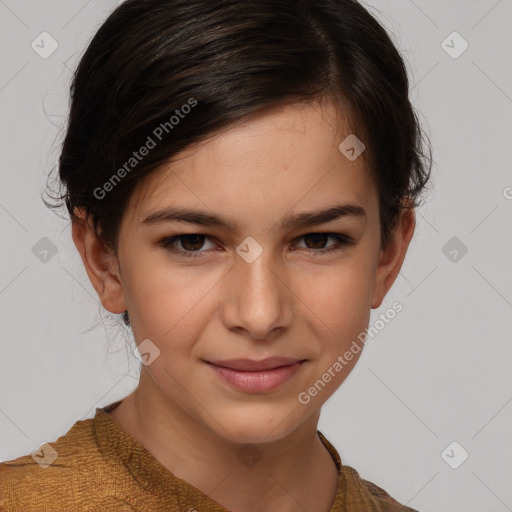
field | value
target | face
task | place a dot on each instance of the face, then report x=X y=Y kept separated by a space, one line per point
x=244 y=278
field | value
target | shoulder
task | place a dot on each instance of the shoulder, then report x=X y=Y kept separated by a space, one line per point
x=52 y=477
x=368 y=493
x=356 y=494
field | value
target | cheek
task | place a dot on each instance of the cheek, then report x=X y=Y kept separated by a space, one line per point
x=338 y=300
x=173 y=305
x=168 y=303
x=338 y=311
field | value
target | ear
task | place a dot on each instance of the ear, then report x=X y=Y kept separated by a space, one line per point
x=100 y=263
x=392 y=257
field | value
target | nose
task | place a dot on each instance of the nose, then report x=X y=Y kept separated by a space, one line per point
x=258 y=299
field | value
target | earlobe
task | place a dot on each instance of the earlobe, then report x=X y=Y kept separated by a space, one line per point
x=392 y=257
x=100 y=264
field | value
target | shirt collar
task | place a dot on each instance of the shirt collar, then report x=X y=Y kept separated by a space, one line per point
x=114 y=442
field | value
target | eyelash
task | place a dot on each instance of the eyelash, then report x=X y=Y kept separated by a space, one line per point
x=343 y=240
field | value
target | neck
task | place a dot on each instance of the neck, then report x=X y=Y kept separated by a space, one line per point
x=295 y=472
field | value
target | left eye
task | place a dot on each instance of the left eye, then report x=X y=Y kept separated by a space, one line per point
x=321 y=238
x=192 y=243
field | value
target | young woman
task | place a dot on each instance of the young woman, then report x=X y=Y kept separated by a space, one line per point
x=241 y=179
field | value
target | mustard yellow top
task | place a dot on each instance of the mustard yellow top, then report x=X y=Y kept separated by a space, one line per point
x=102 y=468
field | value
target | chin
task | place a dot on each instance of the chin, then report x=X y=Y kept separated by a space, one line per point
x=258 y=427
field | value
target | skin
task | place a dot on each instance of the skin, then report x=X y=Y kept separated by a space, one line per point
x=287 y=302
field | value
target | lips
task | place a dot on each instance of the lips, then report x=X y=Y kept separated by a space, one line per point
x=252 y=376
x=251 y=365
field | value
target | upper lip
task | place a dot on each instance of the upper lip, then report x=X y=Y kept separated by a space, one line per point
x=252 y=365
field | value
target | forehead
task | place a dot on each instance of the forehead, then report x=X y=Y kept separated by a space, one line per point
x=284 y=159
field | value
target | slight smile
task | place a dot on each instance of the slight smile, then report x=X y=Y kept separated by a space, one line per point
x=251 y=376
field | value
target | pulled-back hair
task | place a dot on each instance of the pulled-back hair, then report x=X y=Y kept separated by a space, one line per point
x=187 y=69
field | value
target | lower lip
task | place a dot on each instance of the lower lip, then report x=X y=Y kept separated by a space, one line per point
x=257 y=382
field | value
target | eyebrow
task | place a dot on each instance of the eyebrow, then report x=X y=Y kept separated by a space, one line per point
x=297 y=220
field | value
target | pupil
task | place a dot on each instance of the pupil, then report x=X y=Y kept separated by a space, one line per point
x=317 y=238
x=197 y=242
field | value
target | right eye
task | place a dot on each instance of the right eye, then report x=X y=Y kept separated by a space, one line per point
x=191 y=244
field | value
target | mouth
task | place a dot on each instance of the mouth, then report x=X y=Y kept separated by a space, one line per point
x=252 y=376
x=251 y=365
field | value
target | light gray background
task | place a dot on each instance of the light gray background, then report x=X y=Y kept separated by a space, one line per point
x=438 y=373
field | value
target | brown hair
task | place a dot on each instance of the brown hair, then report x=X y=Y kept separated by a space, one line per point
x=195 y=67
